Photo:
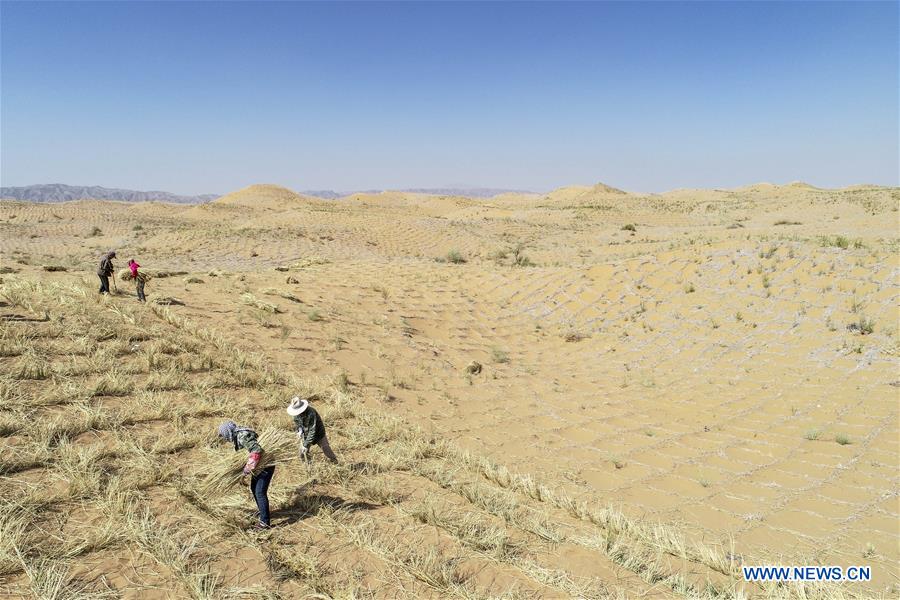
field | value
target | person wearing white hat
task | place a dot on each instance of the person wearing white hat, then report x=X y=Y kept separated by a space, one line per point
x=310 y=428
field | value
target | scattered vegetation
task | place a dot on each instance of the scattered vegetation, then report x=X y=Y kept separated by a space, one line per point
x=499 y=356
x=863 y=326
x=454 y=257
x=576 y=336
x=840 y=241
x=520 y=259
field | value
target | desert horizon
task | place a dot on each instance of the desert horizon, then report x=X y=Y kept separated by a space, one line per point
x=60 y=192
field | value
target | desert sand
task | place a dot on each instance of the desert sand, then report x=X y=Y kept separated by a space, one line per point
x=671 y=386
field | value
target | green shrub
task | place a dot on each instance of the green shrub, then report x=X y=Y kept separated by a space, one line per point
x=842 y=439
x=455 y=257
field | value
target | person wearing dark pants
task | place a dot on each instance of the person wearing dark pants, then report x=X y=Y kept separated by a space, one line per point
x=246 y=439
x=139 y=279
x=105 y=270
x=259 y=484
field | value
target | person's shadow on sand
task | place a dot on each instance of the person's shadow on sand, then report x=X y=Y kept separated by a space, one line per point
x=302 y=506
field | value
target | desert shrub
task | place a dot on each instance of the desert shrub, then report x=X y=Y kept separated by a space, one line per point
x=523 y=261
x=314 y=315
x=455 y=257
x=137 y=227
x=575 y=336
x=519 y=258
x=95 y=231
x=498 y=255
x=835 y=241
x=786 y=222
x=629 y=227
x=863 y=326
x=500 y=356
x=842 y=439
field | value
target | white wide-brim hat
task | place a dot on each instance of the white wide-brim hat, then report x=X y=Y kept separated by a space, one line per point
x=297 y=406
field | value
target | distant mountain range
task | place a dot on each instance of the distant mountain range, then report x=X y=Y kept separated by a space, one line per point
x=59 y=192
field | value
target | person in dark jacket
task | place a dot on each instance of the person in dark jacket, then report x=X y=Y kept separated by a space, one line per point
x=244 y=438
x=105 y=270
x=310 y=428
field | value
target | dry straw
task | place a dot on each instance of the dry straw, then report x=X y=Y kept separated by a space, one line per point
x=279 y=446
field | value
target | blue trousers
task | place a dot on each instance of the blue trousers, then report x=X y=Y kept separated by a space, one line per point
x=104 y=284
x=259 y=485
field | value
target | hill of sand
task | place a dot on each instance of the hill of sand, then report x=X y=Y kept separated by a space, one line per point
x=671 y=386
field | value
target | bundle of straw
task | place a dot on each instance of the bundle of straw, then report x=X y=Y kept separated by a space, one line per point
x=125 y=275
x=279 y=446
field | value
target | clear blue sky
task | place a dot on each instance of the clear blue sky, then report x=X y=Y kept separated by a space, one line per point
x=209 y=97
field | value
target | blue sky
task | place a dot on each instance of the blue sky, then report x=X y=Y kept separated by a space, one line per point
x=210 y=97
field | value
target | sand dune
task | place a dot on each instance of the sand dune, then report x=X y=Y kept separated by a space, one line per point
x=698 y=379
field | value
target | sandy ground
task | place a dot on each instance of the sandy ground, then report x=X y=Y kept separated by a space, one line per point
x=726 y=363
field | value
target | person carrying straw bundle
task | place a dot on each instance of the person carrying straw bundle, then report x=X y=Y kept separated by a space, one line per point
x=260 y=475
x=140 y=278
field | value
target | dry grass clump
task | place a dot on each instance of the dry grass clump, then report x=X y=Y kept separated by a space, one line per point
x=31 y=366
x=251 y=300
x=281 y=294
x=15 y=525
x=453 y=257
x=473 y=531
x=114 y=382
x=429 y=566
